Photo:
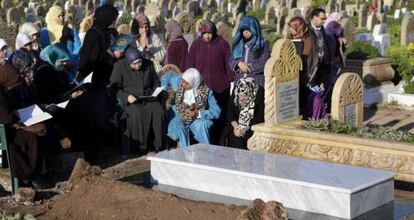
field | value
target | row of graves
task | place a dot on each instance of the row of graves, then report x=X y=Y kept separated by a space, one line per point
x=323 y=175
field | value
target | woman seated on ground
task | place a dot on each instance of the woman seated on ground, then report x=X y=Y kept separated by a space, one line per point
x=245 y=109
x=135 y=77
x=29 y=144
x=51 y=74
x=195 y=107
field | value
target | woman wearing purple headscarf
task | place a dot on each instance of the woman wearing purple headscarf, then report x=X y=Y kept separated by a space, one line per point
x=134 y=77
x=336 y=46
x=177 y=48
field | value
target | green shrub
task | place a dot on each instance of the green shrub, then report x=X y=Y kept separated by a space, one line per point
x=360 y=51
x=394 y=28
x=259 y=14
x=409 y=88
x=403 y=59
x=318 y=4
x=333 y=126
x=272 y=38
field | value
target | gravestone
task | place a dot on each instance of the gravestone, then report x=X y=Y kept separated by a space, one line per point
x=270 y=17
x=256 y=5
x=263 y=4
x=372 y=21
x=347 y=99
x=90 y=8
x=237 y=22
x=193 y=8
x=397 y=14
x=382 y=18
x=380 y=29
x=140 y=9
x=390 y=3
x=380 y=5
x=6 y=4
x=306 y=11
x=212 y=5
x=331 y=6
x=341 y=5
x=176 y=11
x=134 y=5
x=295 y=12
x=224 y=31
x=163 y=5
x=407 y=29
x=13 y=17
x=349 y=29
x=292 y=4
x=152 y=11
x=8 y=33
x=216 y=17
x=282 y=84
x=187 y=25
x=362 y=16
x=207 y=15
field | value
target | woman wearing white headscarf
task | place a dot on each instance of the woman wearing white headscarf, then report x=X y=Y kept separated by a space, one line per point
x=3 y=51
x=23 y=41
x=195 y=107
x=33 y=31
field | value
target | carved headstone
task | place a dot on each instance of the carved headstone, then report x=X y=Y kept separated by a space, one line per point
x=8 y=33
x=372 y=21
x=407 y=29
x=224 y=31
x=347 y=99
x=349 y=29
x=90 y=8
x=187 y=25
x=362 y=16
x=380 y=5
x=270 y=17
x=382 y=18
x=282 y=84
x=13 y=17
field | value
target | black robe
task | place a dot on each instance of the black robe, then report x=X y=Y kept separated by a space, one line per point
x=232 y=114
x=144 y=116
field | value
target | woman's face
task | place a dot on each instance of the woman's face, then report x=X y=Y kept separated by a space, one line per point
x=143 y=29
x=186 y=85
x=136 y=65
x=247 y=35
x=3 y=53
x=61 y=18
x=207 y=37
x=243 y=98
x=28 y=47
x=35 y=37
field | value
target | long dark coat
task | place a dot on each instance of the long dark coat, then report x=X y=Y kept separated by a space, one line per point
x=144 y=116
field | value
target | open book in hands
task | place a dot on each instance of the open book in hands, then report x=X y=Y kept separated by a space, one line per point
x=32 y=115
x=154 y=95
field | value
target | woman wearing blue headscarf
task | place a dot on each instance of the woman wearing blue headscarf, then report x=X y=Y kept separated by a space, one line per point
x=250 y=51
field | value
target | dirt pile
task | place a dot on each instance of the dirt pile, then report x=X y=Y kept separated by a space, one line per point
x=264 y=211
x=92 y=196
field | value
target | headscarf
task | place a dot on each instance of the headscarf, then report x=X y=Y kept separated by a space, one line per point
x=9 y=77
x=139 y=20
x=21 y=60
x=193 y=77
x=54 y=28
x=29 y=28
x=208 y=27
x=105 y=15
x=249 y=88
x=22 y=39
x=257 y=41
x=298 y=29
x=184 y=98
x=173 y=29
x=132 y=54
x=54 y=53
x=332 y=25
x=3 y=43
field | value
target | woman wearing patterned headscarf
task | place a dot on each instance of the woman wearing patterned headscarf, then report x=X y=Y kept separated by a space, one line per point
x=134 y=77
x=177 y=48
x=245 y=109
x=195 y=107
x=250 y=51
x=148 y=42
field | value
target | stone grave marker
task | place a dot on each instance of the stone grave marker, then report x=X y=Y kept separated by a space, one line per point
x=372 y=21
x=397 y=14
x=6 y=4
x=380 y=29
x=295 y=12
x=380 y=5
x=236 y=26
x=349 y=29
x=347 y=99
x=282 y=84
x=382 y=18
x=390 y=3
x=270 y=17
x=292 y=4
x=8 y=33
x=13 y=17
x=263 y=4
x=224 y=31
x=90 y=8
x=256 y=5
x=187 y=24
x=331 y=6
x=140 y=9
x=306 y=11
x=176 y=11
x=341 y=5
x=163 y=5
x=134 y=5
x=362 y=16
x=193 y=8
x=407 y=29
x=152 y=11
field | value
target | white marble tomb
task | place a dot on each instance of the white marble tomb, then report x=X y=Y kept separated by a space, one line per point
x=333 y=189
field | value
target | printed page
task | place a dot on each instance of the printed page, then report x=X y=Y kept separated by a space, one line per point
x=32 y=115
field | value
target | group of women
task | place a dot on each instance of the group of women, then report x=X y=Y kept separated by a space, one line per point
x=48 y=65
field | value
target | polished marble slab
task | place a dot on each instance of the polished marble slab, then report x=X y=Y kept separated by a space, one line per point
x=315 y=186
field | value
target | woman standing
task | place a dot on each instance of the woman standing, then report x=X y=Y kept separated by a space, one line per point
x=147 y=42
x=135 y=77
x=177 y=48
x=195 y=107
x=250 y=51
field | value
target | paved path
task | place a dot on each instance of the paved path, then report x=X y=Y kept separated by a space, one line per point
x=389 y=117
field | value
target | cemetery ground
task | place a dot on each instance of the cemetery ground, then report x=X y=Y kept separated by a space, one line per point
x=120 y=189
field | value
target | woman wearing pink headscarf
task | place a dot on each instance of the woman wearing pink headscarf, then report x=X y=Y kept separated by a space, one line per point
x=336 y=46
x=177 y=48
